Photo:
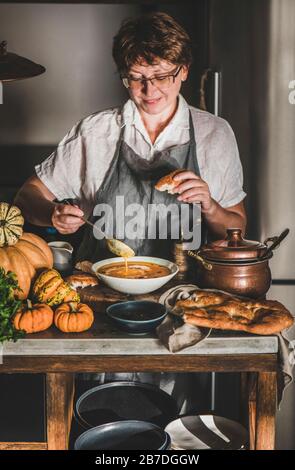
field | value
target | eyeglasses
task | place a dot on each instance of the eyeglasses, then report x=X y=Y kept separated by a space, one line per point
x=160 y=81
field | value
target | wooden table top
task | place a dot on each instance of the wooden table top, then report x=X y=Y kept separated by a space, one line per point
x=105 y=339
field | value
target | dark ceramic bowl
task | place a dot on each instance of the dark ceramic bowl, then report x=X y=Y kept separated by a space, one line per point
x=124 y=400
x=137 y=316
x=124 y=435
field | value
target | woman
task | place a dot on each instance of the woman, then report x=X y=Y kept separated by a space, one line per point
x=122 y=151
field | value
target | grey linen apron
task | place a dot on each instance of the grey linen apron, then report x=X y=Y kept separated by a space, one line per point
x=134 y=177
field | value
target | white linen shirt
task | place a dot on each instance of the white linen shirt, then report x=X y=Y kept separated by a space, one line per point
x=76 y=169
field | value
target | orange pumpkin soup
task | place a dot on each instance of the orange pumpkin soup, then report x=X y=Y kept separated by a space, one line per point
x=134 y=270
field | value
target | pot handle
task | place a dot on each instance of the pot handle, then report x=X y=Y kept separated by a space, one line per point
x=206 y=265
x=270 y=239
x=276 y=241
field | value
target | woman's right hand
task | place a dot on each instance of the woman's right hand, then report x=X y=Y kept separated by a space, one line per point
x=66 y=218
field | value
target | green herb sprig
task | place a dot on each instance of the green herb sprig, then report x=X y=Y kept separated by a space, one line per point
x=8 y=306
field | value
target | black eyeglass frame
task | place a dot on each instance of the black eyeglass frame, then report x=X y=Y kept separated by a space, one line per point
x=145 y=80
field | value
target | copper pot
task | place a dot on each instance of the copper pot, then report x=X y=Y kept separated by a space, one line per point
x=236 y=265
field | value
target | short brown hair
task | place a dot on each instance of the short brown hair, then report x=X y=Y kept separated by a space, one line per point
x=151 y=36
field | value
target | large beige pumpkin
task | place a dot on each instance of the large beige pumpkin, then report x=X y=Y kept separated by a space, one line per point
x=28 y=255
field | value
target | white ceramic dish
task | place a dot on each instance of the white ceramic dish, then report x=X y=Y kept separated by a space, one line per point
x=136 y=286
x=196 y=432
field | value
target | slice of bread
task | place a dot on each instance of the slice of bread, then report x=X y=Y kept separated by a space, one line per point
x=81 y=280
x=167 y=183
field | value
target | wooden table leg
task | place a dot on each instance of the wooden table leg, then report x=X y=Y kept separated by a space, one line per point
x=252 y=406
x=248 y=404
x=244 y=398
x=59 y=407
x=266 y=410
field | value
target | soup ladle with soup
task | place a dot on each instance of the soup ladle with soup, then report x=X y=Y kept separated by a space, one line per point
x=131 y=269
x=117 y=247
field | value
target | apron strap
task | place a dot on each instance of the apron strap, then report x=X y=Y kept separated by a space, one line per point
x=193 y=144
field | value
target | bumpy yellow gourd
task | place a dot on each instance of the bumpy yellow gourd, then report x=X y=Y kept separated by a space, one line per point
x=50 y=288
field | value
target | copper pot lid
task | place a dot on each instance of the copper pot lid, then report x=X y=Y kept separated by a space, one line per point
x=233 y=248
x=15 y=67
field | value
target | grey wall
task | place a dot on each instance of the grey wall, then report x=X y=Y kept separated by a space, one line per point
x=74 y=43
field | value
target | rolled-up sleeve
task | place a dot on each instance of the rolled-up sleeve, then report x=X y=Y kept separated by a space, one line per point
x=224 y=174
x=62 y=172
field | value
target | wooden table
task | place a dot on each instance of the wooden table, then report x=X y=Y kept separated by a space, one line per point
x=105 y=349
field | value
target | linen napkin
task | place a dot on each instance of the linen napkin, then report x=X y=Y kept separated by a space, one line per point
x=173 y=332
x=286 y=361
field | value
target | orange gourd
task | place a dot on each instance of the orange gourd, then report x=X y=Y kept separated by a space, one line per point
x=28 y=255
x=73 y=317
x=33 y=318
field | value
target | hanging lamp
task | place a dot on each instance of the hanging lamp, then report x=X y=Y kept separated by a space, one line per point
x=14 y=67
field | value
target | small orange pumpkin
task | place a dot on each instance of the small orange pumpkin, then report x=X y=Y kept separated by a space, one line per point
x=33 y=318
x=73 y=317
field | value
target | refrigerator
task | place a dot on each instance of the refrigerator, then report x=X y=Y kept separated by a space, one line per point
x=250 y=81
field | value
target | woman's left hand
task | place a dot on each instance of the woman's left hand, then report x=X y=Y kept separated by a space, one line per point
x=191 y=188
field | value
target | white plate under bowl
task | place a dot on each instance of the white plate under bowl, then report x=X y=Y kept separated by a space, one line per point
x=136 y=286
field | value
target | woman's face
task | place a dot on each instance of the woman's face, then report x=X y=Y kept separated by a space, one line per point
x=148 y=97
